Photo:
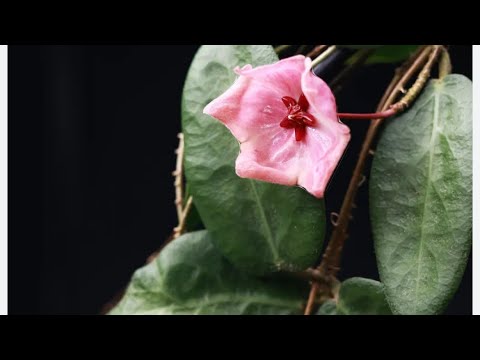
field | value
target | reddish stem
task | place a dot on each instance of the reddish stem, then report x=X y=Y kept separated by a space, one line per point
x=378 y=115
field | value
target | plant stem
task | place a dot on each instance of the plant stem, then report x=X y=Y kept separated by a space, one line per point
x=323 y=56
x=429 y=55
x=445 y=67
x=312 y=275
x=317 y=50
x=410 y=95
x=182 y=212
x=311 y=299
x=177 y=231
x=377 y=115
x=178 y=173
x=330 y=263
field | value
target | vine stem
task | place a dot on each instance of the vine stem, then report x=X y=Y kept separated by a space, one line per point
x=182 y=211
x=330 y=263
x=178 y=230
x=317 y=50
x=377 y=115
x=178 y=173
x=326 y=53
x=311 y=298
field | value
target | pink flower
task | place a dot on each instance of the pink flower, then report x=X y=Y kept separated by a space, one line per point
x=285 y=119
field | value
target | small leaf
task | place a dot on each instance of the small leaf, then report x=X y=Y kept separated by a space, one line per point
x=391 y=54
x=260 y=227
x=421 y=198
x=358 y=296
x=328 y=308
x=190 y=276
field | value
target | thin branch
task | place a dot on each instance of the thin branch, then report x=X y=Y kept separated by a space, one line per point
x=311 y=299
x=378 y=115
x=445 y=67
x=177 y=231
x=410 y=95
x=400 y=71
x=312 y=275
x=317 y=50
x=178 y=173
x=323 y=55
x=419 y=83
x=331 y=258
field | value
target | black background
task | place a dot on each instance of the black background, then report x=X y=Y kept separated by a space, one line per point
x=92 y=134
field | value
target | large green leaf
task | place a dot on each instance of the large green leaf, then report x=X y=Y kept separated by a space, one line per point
x=391 y=54
x=421 y=198
x=190 y=276
x=260 y=227
x=387 y=54
x=358 y=296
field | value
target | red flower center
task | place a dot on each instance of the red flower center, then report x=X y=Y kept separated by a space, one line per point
x=297 y=118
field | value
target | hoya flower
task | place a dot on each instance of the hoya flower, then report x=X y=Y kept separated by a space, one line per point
x=285 y=119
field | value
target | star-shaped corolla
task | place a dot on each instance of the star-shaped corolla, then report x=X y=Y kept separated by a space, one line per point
x=285 y=119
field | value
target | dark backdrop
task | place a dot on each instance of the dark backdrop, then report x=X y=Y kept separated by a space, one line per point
x=92 y=134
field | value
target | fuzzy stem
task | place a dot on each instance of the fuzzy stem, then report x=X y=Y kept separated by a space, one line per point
x=178 y=173
x=177 y=231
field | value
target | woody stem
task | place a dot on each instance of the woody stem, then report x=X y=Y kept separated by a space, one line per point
x=415 y=89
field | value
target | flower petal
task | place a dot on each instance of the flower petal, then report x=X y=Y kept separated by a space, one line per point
x=282 y=76
x=319 y=96
x=255 y=110
x=252 y=104
x=328 y=137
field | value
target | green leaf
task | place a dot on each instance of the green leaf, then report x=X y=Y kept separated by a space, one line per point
x=193 y=222
x=190 y=276
x=358 y=296
x=260 y=227
x=328 y=308
x=421 y=198
x=391 y=54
